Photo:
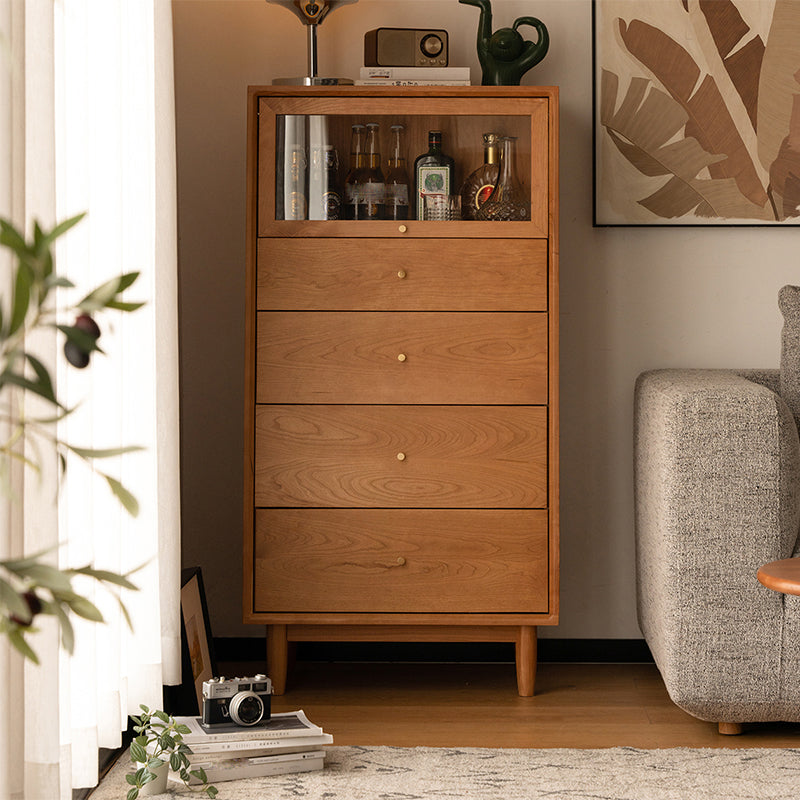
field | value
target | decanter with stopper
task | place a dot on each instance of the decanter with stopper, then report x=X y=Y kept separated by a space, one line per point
x=508 y=201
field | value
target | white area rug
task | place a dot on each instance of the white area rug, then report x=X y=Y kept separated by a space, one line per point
x=621 y=773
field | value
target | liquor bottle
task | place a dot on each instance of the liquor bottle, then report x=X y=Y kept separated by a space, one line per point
x=433 y=172
x=374 y=185
x=324 y=195
x=332 y=199
x=479 y=185
x=397 y=177
x=353 y=191
x=508 y=202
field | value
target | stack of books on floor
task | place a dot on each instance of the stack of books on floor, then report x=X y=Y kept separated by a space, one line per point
x=288 y=742
x=414 y=76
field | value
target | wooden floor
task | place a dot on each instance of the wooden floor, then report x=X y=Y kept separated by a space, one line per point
x=476 y=705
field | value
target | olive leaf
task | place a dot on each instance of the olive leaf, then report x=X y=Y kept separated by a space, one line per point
x=30 y=586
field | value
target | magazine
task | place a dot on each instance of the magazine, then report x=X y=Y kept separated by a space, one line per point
x=261 y=746
x=278 y=726
x=255 y=767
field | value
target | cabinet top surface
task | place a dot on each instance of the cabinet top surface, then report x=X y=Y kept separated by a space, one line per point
x=404 y=91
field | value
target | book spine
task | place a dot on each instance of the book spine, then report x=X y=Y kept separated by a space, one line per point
x=404 y=82
x=275 y=758
x=250 y=735
x=216 y=775
x=250 y=744
x=416 y=73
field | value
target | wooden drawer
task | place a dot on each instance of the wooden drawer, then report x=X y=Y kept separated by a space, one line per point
x=402 y=275
x=401 y=357
x=401 y=456
x=407 y=560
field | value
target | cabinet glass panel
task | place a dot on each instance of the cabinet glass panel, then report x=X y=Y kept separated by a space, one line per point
x=314 y=165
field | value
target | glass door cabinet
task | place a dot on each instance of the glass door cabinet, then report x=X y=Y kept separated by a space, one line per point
x=401 y=383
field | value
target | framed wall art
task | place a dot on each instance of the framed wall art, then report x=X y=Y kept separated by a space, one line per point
x=697 y=112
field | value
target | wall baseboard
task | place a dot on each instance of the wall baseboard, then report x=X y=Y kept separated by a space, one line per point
x=591 y=651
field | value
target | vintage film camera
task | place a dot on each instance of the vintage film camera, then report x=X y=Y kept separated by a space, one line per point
x=242 y=701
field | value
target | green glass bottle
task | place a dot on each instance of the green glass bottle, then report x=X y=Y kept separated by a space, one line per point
x=434 y=172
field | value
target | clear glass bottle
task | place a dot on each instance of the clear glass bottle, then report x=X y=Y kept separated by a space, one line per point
x=508 y=201
x=433 y=172
x=353 y=191
x=397 y=177
x=374 y=185
x=480 y=184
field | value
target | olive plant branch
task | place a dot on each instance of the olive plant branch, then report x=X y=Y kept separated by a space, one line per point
x=29 y=586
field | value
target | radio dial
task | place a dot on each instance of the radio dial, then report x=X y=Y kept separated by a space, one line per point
x=431 y=45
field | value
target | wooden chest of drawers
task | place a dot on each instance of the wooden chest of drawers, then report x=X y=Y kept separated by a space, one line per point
x=401 y=398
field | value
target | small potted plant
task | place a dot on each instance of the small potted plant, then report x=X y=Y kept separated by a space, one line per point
x=158 y=748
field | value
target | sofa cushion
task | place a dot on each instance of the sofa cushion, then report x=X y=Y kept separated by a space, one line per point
x=789 y=304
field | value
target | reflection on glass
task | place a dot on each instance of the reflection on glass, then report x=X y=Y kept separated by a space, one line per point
x=291 y=198
x=324 y=194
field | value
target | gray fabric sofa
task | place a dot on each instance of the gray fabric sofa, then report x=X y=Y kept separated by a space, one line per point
x=717 y=479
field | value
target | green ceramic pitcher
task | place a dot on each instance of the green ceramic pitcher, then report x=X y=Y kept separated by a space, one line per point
x=504 y=55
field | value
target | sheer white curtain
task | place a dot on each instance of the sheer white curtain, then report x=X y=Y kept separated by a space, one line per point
x=89 y=125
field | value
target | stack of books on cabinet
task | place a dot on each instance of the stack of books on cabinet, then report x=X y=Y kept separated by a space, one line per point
x=414 y=76
x=288 y=742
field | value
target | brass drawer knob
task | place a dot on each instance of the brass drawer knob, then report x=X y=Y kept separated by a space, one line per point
x=401 y=456
x=401 y=561
x=401 y=274
x=403 y=228
x=401 y=357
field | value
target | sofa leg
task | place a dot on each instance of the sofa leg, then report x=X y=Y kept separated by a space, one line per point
x=730 y=728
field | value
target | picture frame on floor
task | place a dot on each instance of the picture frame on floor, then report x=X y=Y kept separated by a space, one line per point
x=198 y=661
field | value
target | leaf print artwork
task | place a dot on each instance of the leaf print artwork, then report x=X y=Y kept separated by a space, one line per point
x=697 y=111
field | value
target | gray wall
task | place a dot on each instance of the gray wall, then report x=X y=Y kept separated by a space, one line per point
x=631 y=298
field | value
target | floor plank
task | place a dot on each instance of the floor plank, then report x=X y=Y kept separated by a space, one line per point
x=476 y=705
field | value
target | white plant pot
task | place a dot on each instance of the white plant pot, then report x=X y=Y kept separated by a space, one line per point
x=159 y=785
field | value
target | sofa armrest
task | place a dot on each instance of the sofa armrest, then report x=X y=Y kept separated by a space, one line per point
x=717 y=464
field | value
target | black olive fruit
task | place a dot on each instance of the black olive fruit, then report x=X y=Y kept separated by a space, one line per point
x=73 y=352
x=87 y=325
x=34 y=607
x=75 y=355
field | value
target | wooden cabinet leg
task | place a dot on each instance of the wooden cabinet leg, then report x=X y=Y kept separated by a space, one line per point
x=526 y=660
x=730 y=728
x=277 y=657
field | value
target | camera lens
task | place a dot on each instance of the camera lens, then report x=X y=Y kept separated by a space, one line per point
x=246 y=708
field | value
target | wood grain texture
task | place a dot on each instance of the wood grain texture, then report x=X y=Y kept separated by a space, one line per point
x=401 y=357
x=525 y=654
x=451 y=457
x=402 y=425
x=402 y=275
x=414 y=560
x=476 y=705
x=781 y=576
